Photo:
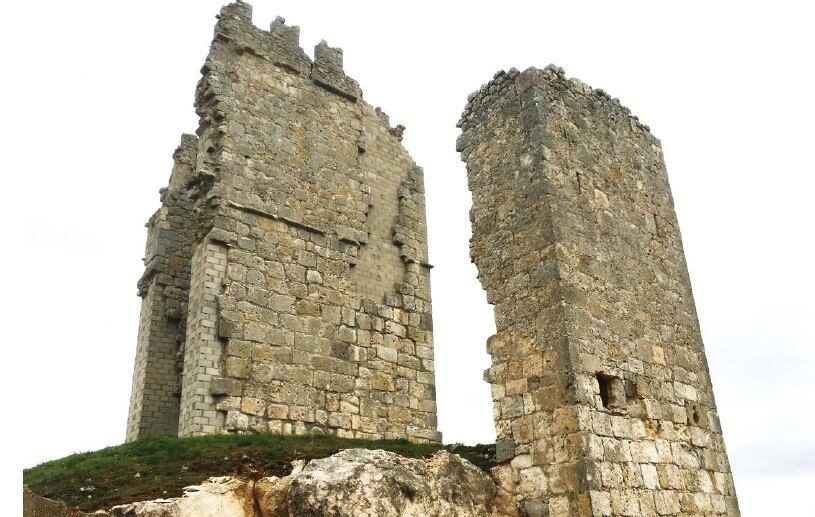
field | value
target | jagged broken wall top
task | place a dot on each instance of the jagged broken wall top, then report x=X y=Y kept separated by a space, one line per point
x=602 y=398
x=308 y=306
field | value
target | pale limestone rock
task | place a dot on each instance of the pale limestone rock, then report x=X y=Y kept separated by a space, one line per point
x=217 y=497
x=270 y=494
x=360 y=482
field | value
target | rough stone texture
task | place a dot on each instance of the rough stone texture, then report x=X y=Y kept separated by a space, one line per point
x=357 y=482
x=164 y=287
x=602 y=399
x=271 y=495
x=353 y=482
x=218 y=497
x=287 y=287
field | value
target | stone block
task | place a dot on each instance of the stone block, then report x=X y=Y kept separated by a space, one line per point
x=253 y=406
x=237 y=421
x=387 y=354
x=225 y=386
x=281 y=303
x=347 y=334
x=237 y=367
x=277 y=411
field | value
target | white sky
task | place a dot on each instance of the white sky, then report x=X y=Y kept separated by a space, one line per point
x=96 y=95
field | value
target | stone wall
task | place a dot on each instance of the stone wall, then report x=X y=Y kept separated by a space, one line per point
x=203 y=350
x=602 y=399
x=309 y=301
x=164 y=288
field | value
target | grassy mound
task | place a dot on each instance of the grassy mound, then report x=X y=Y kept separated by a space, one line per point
x=161 y=466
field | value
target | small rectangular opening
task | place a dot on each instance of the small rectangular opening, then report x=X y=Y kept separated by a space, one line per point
x=612 y=391
x=604 y=382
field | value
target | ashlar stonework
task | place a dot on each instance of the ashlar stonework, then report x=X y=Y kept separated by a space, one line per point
x=603 y=403
x=287 y=285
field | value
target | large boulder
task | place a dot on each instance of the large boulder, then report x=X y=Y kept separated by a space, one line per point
x=362 y=482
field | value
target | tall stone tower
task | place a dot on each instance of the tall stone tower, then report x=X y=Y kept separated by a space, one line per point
x=287 y=287
x=602 y=399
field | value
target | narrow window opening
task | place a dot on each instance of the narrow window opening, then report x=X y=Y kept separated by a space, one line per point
x=612 y=391
x=579 y=184
x=605 y=388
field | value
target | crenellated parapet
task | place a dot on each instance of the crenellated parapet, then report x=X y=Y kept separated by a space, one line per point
x=280 y=45
x=327 y=72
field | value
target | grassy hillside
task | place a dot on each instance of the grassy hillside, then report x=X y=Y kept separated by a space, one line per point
x=160 y=467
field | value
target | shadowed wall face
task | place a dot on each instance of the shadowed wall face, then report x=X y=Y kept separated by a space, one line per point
x=308 y=305
x=603 y=401
x=164 y=288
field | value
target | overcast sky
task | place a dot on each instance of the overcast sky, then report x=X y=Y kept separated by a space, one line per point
x=96 y=94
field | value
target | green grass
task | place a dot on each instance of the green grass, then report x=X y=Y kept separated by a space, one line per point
x=161 y=466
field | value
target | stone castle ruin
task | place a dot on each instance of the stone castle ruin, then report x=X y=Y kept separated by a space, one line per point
x=602 y=398
x=286 y=287
x=287 y=284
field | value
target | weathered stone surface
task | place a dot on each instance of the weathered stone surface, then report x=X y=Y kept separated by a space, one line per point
x=164 y=288
x=602 y=399
x=357 y=482
x=218 y=497
x=271 y=495
x=291 y=245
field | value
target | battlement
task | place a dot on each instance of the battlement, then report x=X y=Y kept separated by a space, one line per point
x=327 y=72
x=281 y=46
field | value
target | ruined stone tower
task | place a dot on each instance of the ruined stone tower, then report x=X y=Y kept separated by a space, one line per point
x=602 y=399
x=287 y=285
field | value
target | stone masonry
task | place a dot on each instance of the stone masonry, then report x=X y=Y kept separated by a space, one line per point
x=602 y=399
x=287 y=285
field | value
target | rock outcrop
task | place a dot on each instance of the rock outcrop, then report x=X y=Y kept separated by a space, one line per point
x=353 y=482
x=218 y=497
x=364 y=482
